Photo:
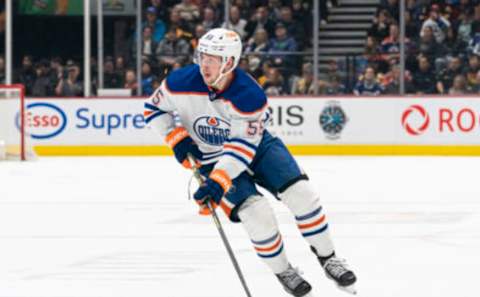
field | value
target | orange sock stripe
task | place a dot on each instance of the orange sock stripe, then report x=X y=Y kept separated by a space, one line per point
x=237 y=148
x=177 y=135
x=317 y=222
x=221 y=177
x=273 y=247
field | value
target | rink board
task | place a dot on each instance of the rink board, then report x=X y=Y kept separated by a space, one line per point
x=308 y=125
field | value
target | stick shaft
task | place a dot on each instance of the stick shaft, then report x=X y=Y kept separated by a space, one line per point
x=223 y=236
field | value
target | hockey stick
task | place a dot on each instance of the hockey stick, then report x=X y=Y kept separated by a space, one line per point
x=200 y=179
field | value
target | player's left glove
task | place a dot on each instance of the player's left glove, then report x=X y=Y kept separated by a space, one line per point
x=212 y=190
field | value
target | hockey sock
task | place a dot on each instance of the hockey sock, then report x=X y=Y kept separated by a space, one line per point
x=259 y=221
x=302 y=200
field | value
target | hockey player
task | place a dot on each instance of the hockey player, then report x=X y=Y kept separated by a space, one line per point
x=218 y=113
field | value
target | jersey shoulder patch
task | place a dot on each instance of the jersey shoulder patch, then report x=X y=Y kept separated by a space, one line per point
x=245 y=94
x=186 y=80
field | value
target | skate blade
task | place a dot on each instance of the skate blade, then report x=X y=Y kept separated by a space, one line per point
x=349 y=289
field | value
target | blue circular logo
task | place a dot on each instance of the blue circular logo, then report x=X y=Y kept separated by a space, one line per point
x=332 y=120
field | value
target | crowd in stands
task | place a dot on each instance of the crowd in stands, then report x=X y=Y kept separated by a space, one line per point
x=442 y=45
x=170 y=32
x=442 y=49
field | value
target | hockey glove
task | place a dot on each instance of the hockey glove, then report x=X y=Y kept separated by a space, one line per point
x=182 y=144
x=212 y=190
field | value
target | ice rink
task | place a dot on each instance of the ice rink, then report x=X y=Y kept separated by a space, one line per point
x=123 y=227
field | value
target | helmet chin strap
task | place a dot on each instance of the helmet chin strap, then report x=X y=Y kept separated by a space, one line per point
x=221 y=75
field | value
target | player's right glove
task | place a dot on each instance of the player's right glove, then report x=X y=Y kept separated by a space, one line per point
x=212 y=190
x=182 y=144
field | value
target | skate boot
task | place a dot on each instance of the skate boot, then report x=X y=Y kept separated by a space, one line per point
x=336 y=270
x=293 y=283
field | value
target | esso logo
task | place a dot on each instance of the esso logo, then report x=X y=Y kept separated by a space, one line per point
x=43 y=120
x=415 y=120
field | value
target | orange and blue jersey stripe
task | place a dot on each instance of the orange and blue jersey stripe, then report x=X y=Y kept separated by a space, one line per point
x=270 y=247
x=312 y=223
x=240 y=149
x=151 y=112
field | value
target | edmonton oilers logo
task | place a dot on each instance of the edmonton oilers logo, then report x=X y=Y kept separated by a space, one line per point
x=333 y=120
x=212 y=130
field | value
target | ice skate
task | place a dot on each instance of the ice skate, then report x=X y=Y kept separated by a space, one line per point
x=293 y=283
x=336 y=270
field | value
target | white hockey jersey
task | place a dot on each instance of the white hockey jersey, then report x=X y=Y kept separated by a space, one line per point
x=227 y=126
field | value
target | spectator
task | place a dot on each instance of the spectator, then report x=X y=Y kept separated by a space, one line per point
x=189 y=11
x=262 y=78
x=27 y=74
x=182 y=29
x=147 y=79
x=69 y=85
x=255 y=67
x=459 y=86
x=424 y=78
x=260 y=21
x=390 y=47
x=476 y=86
x=161 y=7
x=334 y=87
x=131 y=81
x=274 y=7
x=333 y=69
x=464 y=30
x=173 y=49
x=243 y=7
x=445 y=78
x=55 y=73
x=392 y=7
x=209 y=19
x=199 y=32
x=157 y=26
x=476 y=21
x=243 y=64
x=411 y=27
x=120 y=69
x=304 y=84
x=392 y=81
x=381 y=26
x=274 y=84
x=41 y=85
x=415 y=9
x=218 y=7
x=236 y=23
x=294 y=29
x=454 y=45
x=474 y=45
x=472 y=70
x=428 y=46
x=368 y=85
x=149 y=46
x=282 y=43
x=111 y=79
x=438 y=24
x=259 y=42
x=302 y=15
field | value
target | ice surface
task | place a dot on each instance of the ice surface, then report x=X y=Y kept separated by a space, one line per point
x=123 y=227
